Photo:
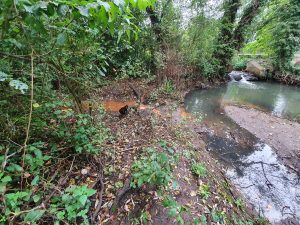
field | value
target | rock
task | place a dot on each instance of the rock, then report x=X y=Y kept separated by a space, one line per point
x=249 y=77
x=235 y=75
x=256 y=69
x=296 y=60
x=239 y=75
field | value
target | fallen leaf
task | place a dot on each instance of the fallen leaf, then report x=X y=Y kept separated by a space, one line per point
x=193 y=193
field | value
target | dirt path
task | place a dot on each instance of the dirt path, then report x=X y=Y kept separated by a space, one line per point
x=283 y=135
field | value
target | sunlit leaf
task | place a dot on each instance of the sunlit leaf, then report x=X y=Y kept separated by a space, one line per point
x=19 y=85
x=3 y=76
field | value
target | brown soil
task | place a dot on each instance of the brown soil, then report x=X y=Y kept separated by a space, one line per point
x=283 y=135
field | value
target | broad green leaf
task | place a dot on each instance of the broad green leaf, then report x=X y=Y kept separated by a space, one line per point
x=63 y=9
x=61 y=38
x=43 y=5
x=2 y=188
x=36 y=198
x=172 y=212
x=34 y=215
x=28 y=9
x=119 y=2
x=90 y=192
x=14 y=168
x=3 y=76
x=6 y=179
x=83 y=199
x=105 y=5
x=84 y=11
x=35 y=181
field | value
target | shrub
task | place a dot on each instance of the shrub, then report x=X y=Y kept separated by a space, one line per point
x=199 y=169
x=153 y=168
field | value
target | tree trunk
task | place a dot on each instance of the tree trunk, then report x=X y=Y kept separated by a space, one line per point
x=224 y=48
x=249 y=14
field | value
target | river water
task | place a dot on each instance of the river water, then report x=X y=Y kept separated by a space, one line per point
x=253 y=166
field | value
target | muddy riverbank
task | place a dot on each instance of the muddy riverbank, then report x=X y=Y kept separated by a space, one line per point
x=283 y=135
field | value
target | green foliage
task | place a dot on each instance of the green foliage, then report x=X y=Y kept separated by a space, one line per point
x=239 y=63
x=78 y=131
x=71 y=45
x=168 y=87
x=204 y=191
x=73 y=204
x=175 y=209
x=278 y=34
x=143 y=218
x=55 y=126
x=133 y=68
x=199 y=169
x=198 y=44
x=239 y=203
x=218 y=216
x=154 y=168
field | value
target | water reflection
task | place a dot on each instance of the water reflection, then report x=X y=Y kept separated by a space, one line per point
x=267 y=184
x=281 y=100
x=253 y=166
x=280 y=105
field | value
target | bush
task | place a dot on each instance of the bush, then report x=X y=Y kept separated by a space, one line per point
x=239 y=63
x=57 y=132
x=153 y=168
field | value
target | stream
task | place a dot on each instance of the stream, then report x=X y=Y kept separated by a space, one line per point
x=252 y=165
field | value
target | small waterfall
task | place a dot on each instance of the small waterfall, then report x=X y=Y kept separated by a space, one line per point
x=241 y=76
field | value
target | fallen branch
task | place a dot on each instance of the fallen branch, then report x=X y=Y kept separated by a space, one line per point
x=121 y=194
x=98 y=207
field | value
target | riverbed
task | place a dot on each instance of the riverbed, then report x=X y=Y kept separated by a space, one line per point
x=261 y=156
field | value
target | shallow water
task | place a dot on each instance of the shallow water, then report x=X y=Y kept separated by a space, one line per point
x=253 y=166
x=281 y=100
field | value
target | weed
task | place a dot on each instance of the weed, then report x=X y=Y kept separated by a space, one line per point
x=144 y=218
x=204 y=191
x=199 y=169
x=239 y=203
x=153 y=168
x=168 y=87
x=175 y=209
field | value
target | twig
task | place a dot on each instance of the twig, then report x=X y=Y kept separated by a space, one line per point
x=263 y=168
x=260 y=162
x=30 y=115
x=41 y=206
x=6 y=157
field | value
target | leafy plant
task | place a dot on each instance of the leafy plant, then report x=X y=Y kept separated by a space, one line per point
x=73 y=204
x=153 y=168
x=204 y=191
x=143 y=218
x=175 y=210
x=239 y=63
x=239 y=203
x=168 y=87
x=199 y=169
